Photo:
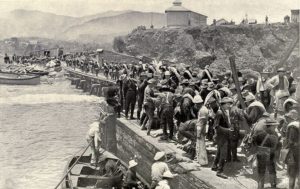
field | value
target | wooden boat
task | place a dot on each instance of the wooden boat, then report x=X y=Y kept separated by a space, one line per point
x=39 y=72
x=19 y=79
x=84 y=175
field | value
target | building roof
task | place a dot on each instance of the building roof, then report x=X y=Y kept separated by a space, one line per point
x=177 y=7
x=198 y=13
x=295 y=11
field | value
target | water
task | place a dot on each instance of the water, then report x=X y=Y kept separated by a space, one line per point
x=41 y=127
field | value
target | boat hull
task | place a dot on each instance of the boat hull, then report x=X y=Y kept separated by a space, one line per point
x=15 y=79
x=83 y=175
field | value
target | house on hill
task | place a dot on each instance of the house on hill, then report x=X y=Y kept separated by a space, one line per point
x=179 y=16
x=221 y=22
x=295 y=15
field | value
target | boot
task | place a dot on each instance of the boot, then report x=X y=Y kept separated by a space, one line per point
x=273 y=180
x=261 y=182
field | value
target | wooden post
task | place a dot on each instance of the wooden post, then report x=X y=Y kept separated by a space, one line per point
x=236 y=81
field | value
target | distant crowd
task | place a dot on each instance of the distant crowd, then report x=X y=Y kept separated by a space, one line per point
x=194 y=106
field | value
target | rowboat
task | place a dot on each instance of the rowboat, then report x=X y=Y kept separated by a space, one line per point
x=19 y=79
x=81 y=174
x=39 y=72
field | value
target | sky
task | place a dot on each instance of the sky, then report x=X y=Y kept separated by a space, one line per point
x=229 y=9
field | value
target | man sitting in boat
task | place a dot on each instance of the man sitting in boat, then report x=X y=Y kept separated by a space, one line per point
x=130 y=180
x=158 y=168
x=93 y=138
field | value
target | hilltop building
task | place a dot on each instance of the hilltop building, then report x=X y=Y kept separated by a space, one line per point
x=295 y=15
x=221 y=22
x=179 y=16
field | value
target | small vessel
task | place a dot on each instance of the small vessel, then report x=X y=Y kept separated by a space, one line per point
x=38 y=72
x=106 y=175
x=9 y=78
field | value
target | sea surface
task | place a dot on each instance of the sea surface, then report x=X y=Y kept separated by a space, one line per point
x=41 y=128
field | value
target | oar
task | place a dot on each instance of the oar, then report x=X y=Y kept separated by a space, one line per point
x=62 y=179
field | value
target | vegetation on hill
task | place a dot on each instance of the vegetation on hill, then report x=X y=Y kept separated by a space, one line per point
x=255 y=46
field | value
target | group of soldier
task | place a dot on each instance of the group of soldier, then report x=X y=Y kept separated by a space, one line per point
x=193 y=107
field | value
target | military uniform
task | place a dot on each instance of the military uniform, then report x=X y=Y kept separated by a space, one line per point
x=167 y=112
x=266 y=140
x=293 y=156
x=130 y=98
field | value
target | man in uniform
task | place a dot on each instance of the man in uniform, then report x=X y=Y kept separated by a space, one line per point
x=222 y=127
x=149 y=104
x=130 y=98
x=293 y=157
x=266 y=139
x=167 y=110
x=280 y=85
x=255 y=109
x=141 y=89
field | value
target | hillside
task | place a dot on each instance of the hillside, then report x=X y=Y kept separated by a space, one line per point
x=255 y=46
x=99 y=28
x=115 y=25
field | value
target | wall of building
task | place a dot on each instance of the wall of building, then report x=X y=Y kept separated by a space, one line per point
x=175 y=19
x=197 y=19
x=295 y=18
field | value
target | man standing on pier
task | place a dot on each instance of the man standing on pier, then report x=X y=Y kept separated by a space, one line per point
x=131 y=94
x=149 y=104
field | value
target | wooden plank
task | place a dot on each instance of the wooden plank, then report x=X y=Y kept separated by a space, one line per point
x=236 y=81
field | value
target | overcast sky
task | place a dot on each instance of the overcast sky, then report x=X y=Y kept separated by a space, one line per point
x=228 y=9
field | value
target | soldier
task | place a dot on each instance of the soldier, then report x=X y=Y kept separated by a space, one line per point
x=255 y=109
x=167 y=110
x=141 y=89
x=263 y=90
x=130 y=98
x=149 y=104
x=266 y=139
x=188 y=130
x=280 y=84
x=293 y=156
x=222 y=127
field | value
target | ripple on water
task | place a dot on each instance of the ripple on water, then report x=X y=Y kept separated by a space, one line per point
x=40 y=132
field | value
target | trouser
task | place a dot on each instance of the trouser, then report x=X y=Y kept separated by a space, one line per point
x=140 y=106
x=188 y=130
x=166 y=120
x=232 y=150
x=95 y=152
x=293 y=173
x=221 y=155
x=130 y=102
x=211 y=131
x=149 y=109
x=266 y=162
